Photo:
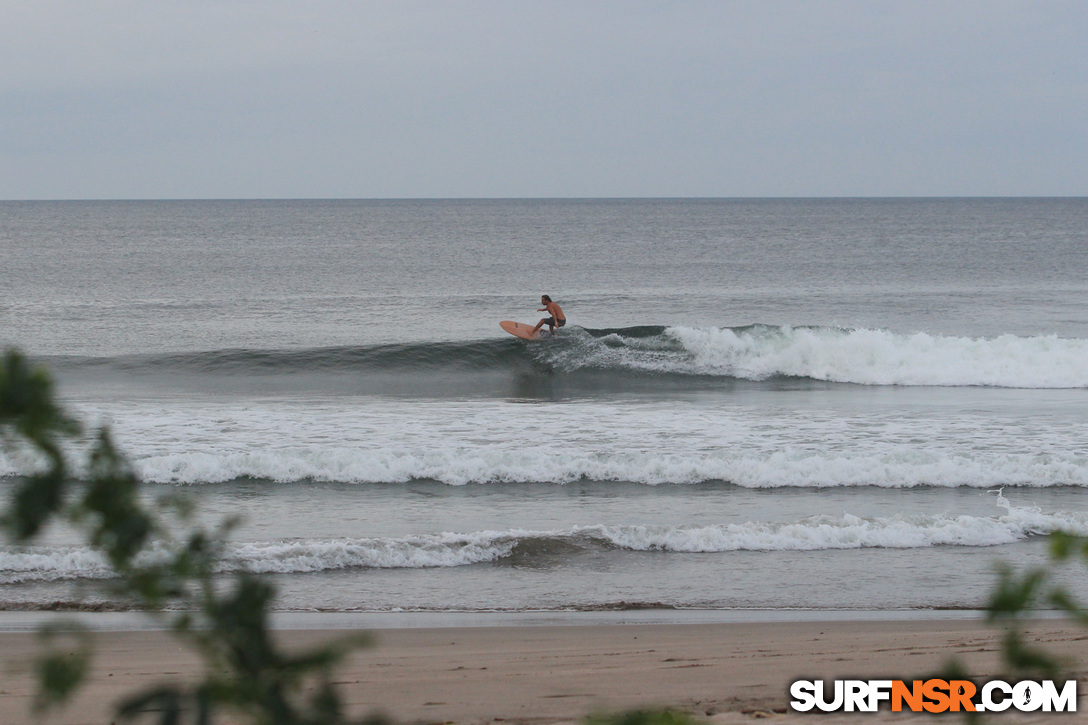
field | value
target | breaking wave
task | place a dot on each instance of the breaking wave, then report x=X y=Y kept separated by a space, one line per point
x=457 y=442
x=892 y=469
x=752 y=353
x=522 y=547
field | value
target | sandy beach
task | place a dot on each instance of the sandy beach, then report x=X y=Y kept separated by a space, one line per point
x=727 y=672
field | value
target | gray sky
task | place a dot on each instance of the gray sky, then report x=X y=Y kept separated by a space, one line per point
x=512 y=98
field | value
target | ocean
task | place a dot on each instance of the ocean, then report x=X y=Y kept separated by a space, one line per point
x=779 y=404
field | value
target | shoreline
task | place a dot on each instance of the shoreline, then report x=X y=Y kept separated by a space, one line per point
x=547 y=673
x=138 y=621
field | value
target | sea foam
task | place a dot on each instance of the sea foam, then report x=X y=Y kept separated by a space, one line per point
x=453 y=549
x=895 y=469
x=859 y=356
x=375 y=441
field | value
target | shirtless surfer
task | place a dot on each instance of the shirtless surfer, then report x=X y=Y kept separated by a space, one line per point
x=557 y=319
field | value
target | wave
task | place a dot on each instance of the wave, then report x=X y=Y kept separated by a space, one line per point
x=751 y=353
x=458 y=442
x=786 y=469
x=521 y=547
x=879 y=357
x=895 y=469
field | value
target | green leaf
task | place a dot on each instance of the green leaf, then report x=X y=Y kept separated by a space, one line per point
x=61 y=670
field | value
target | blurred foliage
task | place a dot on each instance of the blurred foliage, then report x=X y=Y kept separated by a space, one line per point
x=61 y=670
x=28 y=412
x=224 y=618
x=1019 y=596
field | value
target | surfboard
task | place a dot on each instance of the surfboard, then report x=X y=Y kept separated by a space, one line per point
x=520 y=329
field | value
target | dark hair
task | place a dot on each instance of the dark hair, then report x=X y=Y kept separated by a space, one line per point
x=546 y=298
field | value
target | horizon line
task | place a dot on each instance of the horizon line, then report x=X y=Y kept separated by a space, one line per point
x=545 y=198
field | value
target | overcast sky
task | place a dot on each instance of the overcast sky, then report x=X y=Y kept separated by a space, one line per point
x=512 y=98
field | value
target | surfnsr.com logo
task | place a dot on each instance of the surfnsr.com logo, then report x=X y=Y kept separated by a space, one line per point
x=934 y=695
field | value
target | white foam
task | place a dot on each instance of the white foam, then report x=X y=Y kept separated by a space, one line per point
x=865 y=357
x=43 y=563
x=463 y=442
x=412 y=552
x=847 y=532
x=449 y=549
x=775 y=469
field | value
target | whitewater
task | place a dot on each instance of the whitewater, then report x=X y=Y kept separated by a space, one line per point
x=646 y=442
x=452 y=549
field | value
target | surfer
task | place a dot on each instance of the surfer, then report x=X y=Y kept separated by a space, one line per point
x=557 y=319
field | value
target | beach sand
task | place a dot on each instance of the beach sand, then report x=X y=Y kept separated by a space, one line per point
x=548 y=674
